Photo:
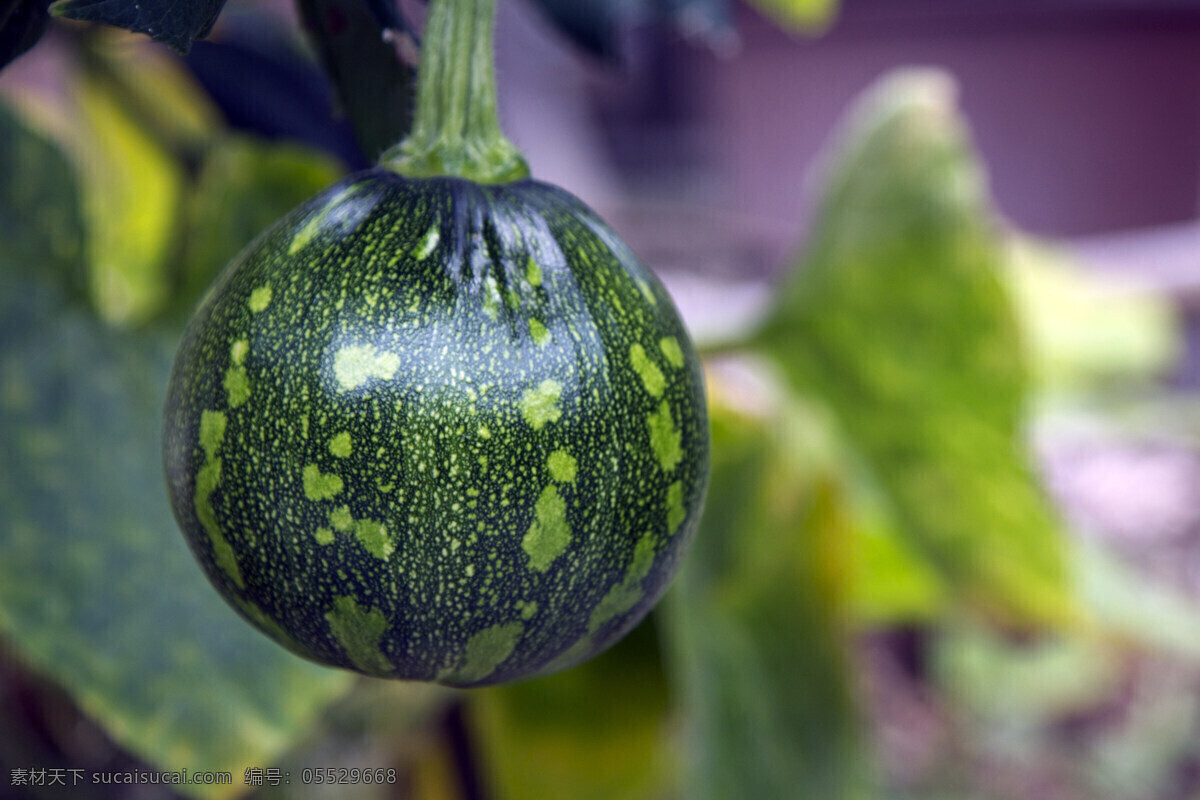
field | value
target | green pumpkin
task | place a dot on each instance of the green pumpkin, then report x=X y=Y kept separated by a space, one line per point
x=436 y=430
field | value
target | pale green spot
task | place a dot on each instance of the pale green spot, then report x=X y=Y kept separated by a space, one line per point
x=237 y=386
x=238 y=351
x=212 y=432
x=208 y=477
x=533 y=272
x=549 y=534
x=539 y=332
x=324 y=536
x=671 y=350
x=647 y=292
x=373 y=536
x=305 y=234
x=484 y=433
x=260 y=298
x=527 y=608
x=341 y=445
x=428 y=244
x=540 y=405
x=318 y=486
x=485 y=651
x=355 y=365
x=675 y=512
x=491 y=297
x=562 y=466
x=513 y=299
x=643 y=559
x=359 y=631
x=652 y=377
x=665 y=438
x=341 y=519
x=626 y=594
x=314 y=226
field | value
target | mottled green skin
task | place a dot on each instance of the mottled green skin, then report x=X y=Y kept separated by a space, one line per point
x=433 y=430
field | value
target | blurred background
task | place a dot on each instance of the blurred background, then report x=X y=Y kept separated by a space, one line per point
x=944 y=556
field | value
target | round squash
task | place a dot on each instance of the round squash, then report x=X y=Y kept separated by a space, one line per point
x=437 y=430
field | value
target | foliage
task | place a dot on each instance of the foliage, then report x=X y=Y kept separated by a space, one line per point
x=91 y=590
x=870 y=463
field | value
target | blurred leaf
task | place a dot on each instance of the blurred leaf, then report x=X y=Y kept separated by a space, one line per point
x=1024 y=683
x=1085 y=330
x=22 y=23
x=132 y=196
x=244 y=185
x=892 y=584
x=154 y=88
x=40 y=222
x=376 y=88
x=97 y=587
x=800 y=15
x=756 y=622
x=1136 y=609
x=593 y=732
x=897 y=317
x=174 y=22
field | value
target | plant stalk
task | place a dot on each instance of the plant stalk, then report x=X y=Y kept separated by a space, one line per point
x=456 y=131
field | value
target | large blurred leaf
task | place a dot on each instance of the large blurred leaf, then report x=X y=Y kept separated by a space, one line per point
x=756 y=621
x=132 y=196
x=594 y=732
x=892 y=583
x=174 y=22
x=243 y=186
x=22 y=23
x=153 y=88
x=896 y=316
x=376 y=88
x=41 y=229
x=97 y=588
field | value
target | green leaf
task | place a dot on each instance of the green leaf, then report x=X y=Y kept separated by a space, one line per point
x=594 y=732
x=376 y=88
x=154 y=89
x=40 y=221
x=132 y=192
x=174 y=22
x=799 y=15
x=22 y=23
x=1022 y=684
x=97 y=588
x=243 y=186
x=892 y=583
x=756 y=622
x=1085 y=331
x=896 y=315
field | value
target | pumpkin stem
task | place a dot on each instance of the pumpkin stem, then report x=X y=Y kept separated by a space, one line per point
x=456 y=131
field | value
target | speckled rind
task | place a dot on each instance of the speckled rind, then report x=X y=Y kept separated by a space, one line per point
x=403 y=368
